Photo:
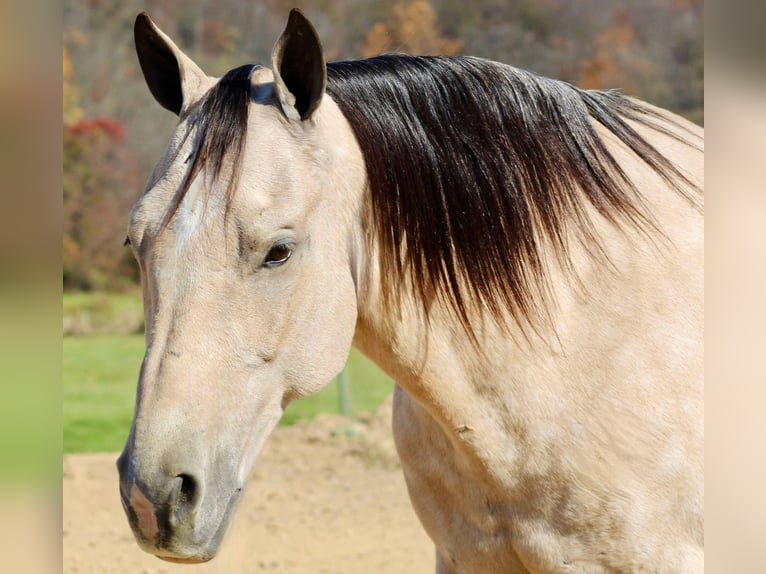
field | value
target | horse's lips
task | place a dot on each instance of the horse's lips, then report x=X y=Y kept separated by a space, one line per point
x=210 y=549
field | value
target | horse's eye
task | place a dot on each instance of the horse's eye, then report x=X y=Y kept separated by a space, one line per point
x=278 y=254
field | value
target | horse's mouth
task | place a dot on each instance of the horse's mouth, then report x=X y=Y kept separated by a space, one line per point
x=167 y=547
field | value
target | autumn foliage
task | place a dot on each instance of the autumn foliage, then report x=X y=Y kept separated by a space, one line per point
x=412 y=28
x=101 y=177
x=611 y=62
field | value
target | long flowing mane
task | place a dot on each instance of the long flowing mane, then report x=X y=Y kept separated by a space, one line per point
x=472 y=166
x=471 y=163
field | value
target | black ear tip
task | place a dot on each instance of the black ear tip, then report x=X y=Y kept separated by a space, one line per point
x=143 y=23
x=297 y=20
x=143 y=30
x=296 y=13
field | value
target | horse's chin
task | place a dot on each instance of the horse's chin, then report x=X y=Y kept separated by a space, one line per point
x=181 y=557
x=198 y=559
x=186 y=556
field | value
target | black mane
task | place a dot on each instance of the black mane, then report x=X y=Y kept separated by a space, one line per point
x=472 y=163
x=471 y=166
x=219 y=132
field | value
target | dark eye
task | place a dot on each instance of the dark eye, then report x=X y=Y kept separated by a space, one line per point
x=126 y=242
x=278 y=254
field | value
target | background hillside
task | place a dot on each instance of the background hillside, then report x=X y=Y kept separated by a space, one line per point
x=114 y=131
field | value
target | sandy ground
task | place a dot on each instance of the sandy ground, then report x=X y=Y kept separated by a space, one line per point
x=325 y=497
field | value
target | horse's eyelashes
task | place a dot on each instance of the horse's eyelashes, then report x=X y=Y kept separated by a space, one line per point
x=278 y=254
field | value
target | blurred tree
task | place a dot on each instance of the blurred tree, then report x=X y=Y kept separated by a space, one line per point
x=72 y=110
x=652 y=50
x=216 y=38
x=100 y=183
x=412 y=27
x=613 y=62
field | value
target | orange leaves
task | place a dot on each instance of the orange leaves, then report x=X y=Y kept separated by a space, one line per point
x=108 y=126
x=72 y=110
x=412 y=27
x=612 y=54
x=66 y=65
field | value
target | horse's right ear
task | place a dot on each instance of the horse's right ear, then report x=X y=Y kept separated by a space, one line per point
x=174 y=80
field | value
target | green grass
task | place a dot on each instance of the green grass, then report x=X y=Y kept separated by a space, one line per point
x=99 y=313
x=74 y=301
x=99 y=377
x=99 y=381
x=368 y=387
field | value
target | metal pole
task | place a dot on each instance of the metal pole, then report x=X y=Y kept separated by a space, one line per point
x=343 y=393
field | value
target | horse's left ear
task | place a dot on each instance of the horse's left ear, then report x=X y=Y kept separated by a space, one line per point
x=175 y=81
x=300 y=72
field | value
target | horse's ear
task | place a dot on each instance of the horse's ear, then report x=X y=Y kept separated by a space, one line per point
x=174 y=80
x=300 y=72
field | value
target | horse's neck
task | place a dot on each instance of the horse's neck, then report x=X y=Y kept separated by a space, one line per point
x=606 y=323
x=433 y=359
x=414 y=356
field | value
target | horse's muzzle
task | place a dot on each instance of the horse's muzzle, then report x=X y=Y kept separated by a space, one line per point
x=164 y=512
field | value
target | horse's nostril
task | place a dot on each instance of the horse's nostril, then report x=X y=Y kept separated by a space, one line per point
x=183 y=499
x=187 y=494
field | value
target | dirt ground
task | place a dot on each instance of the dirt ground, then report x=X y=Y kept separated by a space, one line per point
x=326 y=496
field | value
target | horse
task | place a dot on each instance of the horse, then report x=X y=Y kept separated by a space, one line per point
x=523 y=257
